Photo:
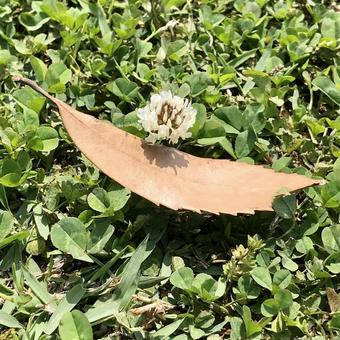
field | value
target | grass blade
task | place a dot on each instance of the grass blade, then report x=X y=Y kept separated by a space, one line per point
x=65 y=305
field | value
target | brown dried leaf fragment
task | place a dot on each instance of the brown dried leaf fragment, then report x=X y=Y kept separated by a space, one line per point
x=333 y=299
x=169 y=177
x=157 y=307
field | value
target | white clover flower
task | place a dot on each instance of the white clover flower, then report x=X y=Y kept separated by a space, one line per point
x=167 y=117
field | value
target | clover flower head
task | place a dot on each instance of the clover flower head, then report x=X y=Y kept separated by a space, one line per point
x=167 y=117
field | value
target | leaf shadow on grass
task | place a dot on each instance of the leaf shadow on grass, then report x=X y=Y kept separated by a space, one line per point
x=164 y=157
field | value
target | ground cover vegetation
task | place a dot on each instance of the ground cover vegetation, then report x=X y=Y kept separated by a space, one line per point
x=83 y=258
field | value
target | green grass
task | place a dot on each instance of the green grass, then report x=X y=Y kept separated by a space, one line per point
x=83 y=258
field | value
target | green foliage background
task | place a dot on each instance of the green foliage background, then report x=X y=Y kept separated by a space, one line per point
x=83 y=258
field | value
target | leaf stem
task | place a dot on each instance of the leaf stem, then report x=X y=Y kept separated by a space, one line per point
x=35 y=87
x=6 y=297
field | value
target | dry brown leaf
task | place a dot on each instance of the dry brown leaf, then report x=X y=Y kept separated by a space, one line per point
x=333 y=299
x=169 y=177
x=153 y=307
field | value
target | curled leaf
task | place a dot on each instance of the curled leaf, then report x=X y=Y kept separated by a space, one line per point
x=169 y=177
